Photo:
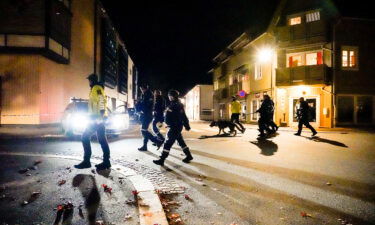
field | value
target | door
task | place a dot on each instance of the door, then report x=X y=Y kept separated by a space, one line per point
x=313 y=103
x=345 y=109
x=364 y=109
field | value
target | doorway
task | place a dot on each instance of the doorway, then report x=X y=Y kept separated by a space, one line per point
x=314 y=106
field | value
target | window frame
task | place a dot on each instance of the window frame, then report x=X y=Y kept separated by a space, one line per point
x=349 y=49
x=258 y=75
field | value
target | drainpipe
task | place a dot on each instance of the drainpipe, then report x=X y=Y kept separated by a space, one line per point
x=95 y=31
x=333 y=55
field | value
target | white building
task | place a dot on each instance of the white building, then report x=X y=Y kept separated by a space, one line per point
x=199 y=103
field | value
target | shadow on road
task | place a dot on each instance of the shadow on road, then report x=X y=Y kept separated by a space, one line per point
x=216 y=136
x=267 y=147
x=332 y=142
x=87 y=186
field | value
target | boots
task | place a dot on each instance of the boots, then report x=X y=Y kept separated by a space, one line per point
x=143 y=148
x=83 y=165
x=188 y=157
x=163 y=156
x=104 y=165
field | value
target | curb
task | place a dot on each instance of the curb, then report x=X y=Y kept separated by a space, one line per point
x=151 y=211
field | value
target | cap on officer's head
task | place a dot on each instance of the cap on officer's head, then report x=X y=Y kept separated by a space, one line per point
x=173 y=93
x=93 y=77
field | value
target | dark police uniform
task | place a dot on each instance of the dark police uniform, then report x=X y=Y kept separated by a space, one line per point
x=145 y=107
x=159 y=107
x=265 y=112
x=303 y=118
x=271 y=122
x=176 y=119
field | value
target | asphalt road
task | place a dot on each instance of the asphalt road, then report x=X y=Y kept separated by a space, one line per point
x=241 y=180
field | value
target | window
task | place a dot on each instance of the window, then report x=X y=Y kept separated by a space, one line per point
x=305 y=59
x=258 y=71
x=295 y=21
x=254 y=115
x=230 y=79
x=314 y=16
x=349 y=57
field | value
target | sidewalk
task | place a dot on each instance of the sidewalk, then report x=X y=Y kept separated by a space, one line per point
x=39 y=189
x=293 y=129
x=29 y=131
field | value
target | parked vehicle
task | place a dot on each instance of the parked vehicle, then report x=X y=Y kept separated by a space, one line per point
x=76 y=119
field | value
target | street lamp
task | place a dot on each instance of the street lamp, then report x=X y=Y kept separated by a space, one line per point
x=264 y=55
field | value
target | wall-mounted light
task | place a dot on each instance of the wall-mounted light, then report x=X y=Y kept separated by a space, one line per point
x=265 y=55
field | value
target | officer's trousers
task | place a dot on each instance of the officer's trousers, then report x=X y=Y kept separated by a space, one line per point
x=100 y=133
x=146 y=120
x=174 y=134
x=305 y=122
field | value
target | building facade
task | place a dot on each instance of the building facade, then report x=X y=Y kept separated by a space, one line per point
x=199 y=103
x=313 y=52
x=48 y=48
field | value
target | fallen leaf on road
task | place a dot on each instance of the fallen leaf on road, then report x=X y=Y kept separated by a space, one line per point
x=127 y=217
x=130 y=202
x=136 y=160
x=135 y=192
x=204 y=185
x=219 y=213
x=174 y=216
x=328 y=183
x=198 y=179
x=25 y=202
x=107 y=188
x=304 y=214
x=142 y=204
x=187 y=197
x=149 y=214
x=61 y=182
x=99 y=222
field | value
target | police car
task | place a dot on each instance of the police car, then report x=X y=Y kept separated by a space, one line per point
x=76 y=118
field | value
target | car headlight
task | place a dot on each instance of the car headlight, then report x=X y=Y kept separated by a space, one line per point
x=79 y=121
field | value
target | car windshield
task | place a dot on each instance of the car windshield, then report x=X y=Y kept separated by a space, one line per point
x=82 y=106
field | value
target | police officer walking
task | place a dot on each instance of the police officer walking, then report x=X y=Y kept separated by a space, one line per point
x=303 y=117
x=176 y=119
x=146 y=107
x=236 y=109
x=158 y=113
x=264 y=111
x=98 y=114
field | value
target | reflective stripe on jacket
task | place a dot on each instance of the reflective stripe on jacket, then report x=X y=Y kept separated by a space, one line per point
x=235 y=107
x=97 y=101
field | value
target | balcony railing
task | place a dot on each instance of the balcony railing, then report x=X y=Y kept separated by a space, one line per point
x=316 y=74
x=221 y=93
x=235 y=88
x=316 y=31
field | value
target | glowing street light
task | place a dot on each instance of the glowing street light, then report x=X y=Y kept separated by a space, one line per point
x=265 y=55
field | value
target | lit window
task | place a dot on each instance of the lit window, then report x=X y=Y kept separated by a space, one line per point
x=344 y=58
x=314 y=58
x=314 y=16
x=216 y=84
x=295 y=20
x=230 y=79
x=295 y=60
x=258 y=71
x=349 y=57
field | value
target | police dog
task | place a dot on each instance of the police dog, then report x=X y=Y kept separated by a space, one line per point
x=222 y=124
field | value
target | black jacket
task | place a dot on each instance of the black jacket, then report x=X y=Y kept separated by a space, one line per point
x=159 y=106
x=266 y=109
x=303 y=111
x=175 y=116
x=146 y=103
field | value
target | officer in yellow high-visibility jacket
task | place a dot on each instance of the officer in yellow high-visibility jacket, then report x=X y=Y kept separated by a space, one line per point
x=236 y=110
x=98 y=114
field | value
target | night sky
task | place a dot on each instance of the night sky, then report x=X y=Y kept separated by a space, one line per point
x=173 y=43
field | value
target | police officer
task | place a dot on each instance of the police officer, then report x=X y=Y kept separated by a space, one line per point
x=146 y=107
x=98 y=114
x=176 y=119
x=158 y=113
x=264 y=119
x=271 y=123
x=303 y=117
x=236 y=109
